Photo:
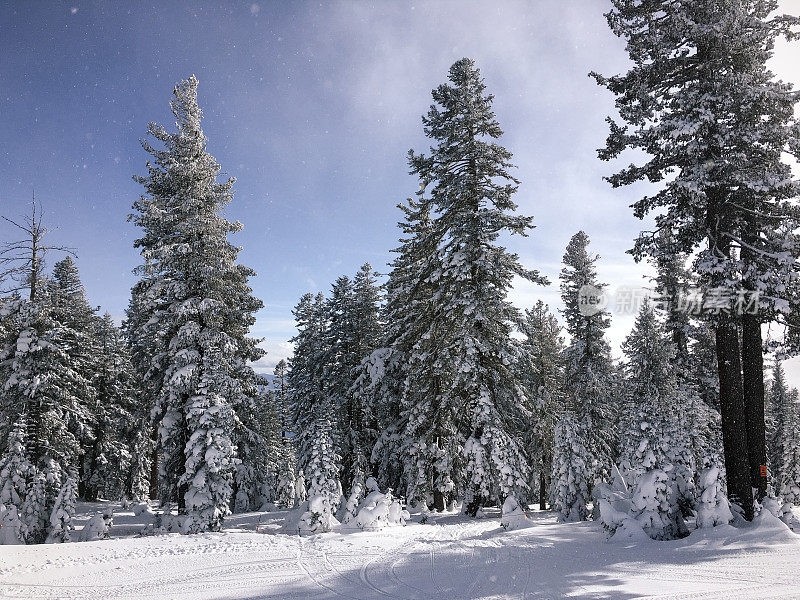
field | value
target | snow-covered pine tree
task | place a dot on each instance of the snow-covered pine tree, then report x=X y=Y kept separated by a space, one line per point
x=461 y=382
x=41 y=387
x=789 y=484
x=111 y=464
x=701 y=103
x=572 y=475
x=287 y=461
x=651 y=382
x=381 y=380
x=35 y=511
x=694 y=365
x=340 y=363
x=144 y=338
x=587 y=357
x=64 y=509
x=280 y=387
x=197 y=305
x=259 y=449
x=308 y=395
x=15 y=468
x=703 y=363
x=322 y=469
x=75 y=318
x=353 y=333
x=778 y=412
x=542 y=354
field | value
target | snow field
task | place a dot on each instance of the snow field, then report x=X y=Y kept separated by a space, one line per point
x=450 y=557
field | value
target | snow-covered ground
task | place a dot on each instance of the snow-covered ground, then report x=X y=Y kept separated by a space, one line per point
x=449 y=557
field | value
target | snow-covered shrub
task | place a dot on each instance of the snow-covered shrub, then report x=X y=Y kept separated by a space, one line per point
x=350 y=509
x=286 y=488
x=513 y=516
x=64 y=510
x=15 y=469
x=97 y=528
x=713 y=507
x=612 y=503
x=617 y=520
x=10 y=525
x=651 y=507
x=142 y=508
x=35 y=512
x=379 y=510
x=169 y=523
x=571 y=473
x=319 y=515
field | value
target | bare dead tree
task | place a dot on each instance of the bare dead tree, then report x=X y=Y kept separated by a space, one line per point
x=22 y=261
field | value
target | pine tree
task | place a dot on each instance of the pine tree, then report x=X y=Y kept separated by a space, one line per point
x=259 y=449
x=572 y=474
x=15 y=469
x=790 y=464
x=700 y=101
x=110 y=461
x=198 y=307
x=381 y=381
x=281 y=391
x=42 y=389
x=587 y=357
x=34 y=512
x=322 y=469
x=308 y=396
x=652 y=381
x=779 y=411
x=461 y=384
x=287 y=460
x=353 y=333
x=64 y=509
x=542 y=359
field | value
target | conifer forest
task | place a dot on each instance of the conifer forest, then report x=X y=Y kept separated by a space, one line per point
x=591 y=441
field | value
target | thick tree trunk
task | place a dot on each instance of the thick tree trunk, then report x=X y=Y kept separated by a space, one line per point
x=734 y=426
x=542 y=490
x=753 y=379
x=438 y=501
x=154 y=466
x=473 y=505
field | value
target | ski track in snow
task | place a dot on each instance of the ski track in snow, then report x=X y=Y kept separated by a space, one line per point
x=451 y=559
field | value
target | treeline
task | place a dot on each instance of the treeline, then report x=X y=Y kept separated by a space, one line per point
x=434 y=384
x=166 y=407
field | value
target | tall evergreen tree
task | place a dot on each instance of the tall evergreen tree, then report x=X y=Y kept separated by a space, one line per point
x=200 y=309
x=75 y=319
x=353 y=333
x=789 y=472
x=110 y=463
x=702 y=104
x=463 y=394
x=779 y=412
x=308 y=395
x=587 y=357
x=542 y=358
x=381 y=381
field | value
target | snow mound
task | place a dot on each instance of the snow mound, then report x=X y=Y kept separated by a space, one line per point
x=513 y=516
x=713 y=507
x=380 y=510
x=142 y=508
x=97 y=528
x=318 y=516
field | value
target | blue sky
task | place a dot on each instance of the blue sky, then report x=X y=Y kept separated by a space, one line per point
x=312 y=107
